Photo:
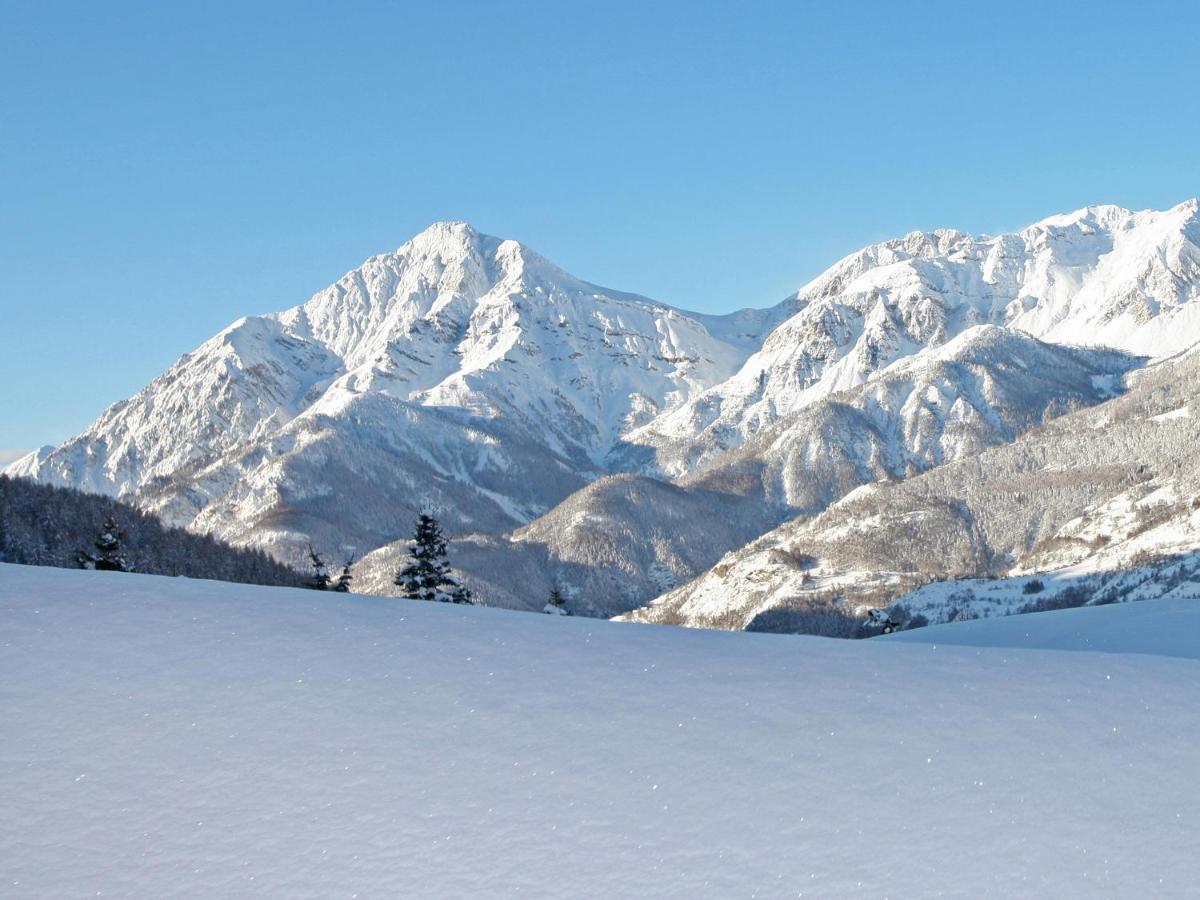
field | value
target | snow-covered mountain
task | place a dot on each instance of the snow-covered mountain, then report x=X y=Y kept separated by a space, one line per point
x=467 y=375
x=461 y=372
x=1090 y=494
x=625 y=539
x=1100 y=276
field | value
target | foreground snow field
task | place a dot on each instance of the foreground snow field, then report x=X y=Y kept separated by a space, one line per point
x=163 y=737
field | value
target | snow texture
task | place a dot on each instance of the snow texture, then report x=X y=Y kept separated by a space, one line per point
x=1163 y=627
x=174 y=738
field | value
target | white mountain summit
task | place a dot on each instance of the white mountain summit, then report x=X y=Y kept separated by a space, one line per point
x=461 y=372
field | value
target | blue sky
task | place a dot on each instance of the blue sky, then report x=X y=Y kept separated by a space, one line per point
x=167 y=167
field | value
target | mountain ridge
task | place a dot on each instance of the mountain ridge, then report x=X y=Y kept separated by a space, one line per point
x=468 y=375
x=891 y=299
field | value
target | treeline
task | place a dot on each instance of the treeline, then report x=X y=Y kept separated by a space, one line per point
x=42 y=525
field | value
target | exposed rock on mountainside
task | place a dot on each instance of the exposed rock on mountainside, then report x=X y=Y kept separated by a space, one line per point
x=461 y=373
x=1105 y=489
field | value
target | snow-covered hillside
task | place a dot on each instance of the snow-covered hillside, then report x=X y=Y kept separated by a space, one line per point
x=165 y=737
x=1170 y=578
x=1165 y=626
x=1100 y=490
x=625 y=539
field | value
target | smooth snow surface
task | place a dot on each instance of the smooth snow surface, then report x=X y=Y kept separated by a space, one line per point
x=170 y=738
x=1168 y=627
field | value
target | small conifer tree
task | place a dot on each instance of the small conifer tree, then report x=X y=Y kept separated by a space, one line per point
x=109 y=555
x=320 y=576
x=342 y=584
x=556 y=605
x=461 y=594
x=427 y=575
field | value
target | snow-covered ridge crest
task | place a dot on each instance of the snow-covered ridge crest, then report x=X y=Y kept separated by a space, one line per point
x=1101 y=276
x=242 y=383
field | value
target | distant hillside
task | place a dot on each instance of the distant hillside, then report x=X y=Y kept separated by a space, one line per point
x=42 y=525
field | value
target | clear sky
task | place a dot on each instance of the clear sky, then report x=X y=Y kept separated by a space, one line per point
x=168 y=167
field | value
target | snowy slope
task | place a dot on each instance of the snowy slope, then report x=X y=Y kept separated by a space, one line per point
x=459 y=319
x=243 y=383
x=446 y=375
x=1172 y=578
x=1100 y=276
x=165 y=737
x=1099 y=490
x=623 y=540
x=1160 y=627
x=985 y=387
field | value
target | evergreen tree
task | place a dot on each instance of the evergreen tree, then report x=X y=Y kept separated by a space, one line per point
x=343 y=582
x=427 y=575
x=557 y=604
x=320 y=576
x=109 y=556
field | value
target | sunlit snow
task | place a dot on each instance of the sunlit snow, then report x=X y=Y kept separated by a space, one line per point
x=163 y=737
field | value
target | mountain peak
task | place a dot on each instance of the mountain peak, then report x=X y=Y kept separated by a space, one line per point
x=447 y=227
x=446 y=237
x=474 y=367
x=1104 y=214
